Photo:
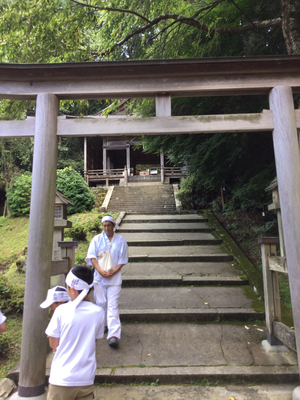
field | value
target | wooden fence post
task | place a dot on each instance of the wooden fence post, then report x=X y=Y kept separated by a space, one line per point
x=271 y=288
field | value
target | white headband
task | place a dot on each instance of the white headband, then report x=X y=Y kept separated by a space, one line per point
x=78 y=284
x=110 y=219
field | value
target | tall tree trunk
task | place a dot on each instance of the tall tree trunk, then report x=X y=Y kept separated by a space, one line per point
x=290 y=28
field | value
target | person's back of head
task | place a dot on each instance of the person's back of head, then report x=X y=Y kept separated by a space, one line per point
x=84 y=273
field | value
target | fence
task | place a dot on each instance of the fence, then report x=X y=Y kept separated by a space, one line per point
x=277 y=332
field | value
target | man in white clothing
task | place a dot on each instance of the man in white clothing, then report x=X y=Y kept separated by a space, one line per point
x=107 y=292
x=73 y=330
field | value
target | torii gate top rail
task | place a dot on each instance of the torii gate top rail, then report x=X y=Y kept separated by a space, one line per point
x=133 y=79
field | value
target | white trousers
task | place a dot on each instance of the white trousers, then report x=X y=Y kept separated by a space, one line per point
x=108 y=299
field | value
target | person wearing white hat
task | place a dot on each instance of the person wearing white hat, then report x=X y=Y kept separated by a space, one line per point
x=73 y=330
x=107 y=292
x=55 y=297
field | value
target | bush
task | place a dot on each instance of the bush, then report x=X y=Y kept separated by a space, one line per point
x=77 y=232
x=18 y=195
x=69 y=182
x=73 y=186
x=11 y=297
x=95 y=226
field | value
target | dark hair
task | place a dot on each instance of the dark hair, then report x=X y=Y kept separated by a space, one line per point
x=60 y=289
x=84 y=273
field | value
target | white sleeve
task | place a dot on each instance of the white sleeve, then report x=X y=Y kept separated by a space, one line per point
x=123 y=256
x=53 y=329
x=2 y=318
x=92 y=252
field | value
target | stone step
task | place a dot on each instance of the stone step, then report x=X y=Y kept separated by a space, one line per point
x=166 y=280
x=146 y=251
x=165 y=230
x=170 y=220
x=181 y=270
x=178 y=258
x=189 y=353
x=187 y=303
x=178 y=217
x=166 y=237
x=187 y=242
x=165 y=227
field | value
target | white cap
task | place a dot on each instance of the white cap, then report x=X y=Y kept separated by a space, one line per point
x=54 y=295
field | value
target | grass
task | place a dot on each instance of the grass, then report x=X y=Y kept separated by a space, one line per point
x=14 y=238
x=10 y=344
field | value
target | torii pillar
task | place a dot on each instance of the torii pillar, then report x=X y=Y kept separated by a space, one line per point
x=287 y=159
x=39 y=256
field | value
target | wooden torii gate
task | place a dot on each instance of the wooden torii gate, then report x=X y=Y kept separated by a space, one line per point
x=277 y=77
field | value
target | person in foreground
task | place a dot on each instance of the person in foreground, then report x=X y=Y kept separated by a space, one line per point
x=107 y=292
x=73 y=331
x=55 y=297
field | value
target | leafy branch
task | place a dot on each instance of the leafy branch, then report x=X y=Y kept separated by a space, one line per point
x=177 y=19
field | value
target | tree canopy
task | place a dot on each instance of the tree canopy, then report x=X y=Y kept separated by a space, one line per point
x=94 y=30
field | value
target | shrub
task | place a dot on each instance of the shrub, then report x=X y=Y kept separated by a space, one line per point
x=69 y=182
x=11 y=297
x=77 y=232
x=73 y=186
x=94 y=226
x=18 y=195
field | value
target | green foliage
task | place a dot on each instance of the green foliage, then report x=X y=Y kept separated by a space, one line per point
x=18 y=195
x=186 y=193
x=80 y=258
x=73 y=186
x=251 y=195
x=64 y=31
x=69 y=182
x=11 y=296
x=77 y=232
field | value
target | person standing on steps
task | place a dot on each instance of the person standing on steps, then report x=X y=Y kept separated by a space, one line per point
x=107 y=292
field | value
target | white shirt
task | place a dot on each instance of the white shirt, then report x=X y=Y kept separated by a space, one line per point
x=118 y=252
x=74 y=363
x=2 y=318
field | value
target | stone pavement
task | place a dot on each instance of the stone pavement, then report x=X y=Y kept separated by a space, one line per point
x=230 y=392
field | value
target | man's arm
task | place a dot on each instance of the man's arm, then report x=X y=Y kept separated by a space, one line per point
x=53 y=342
x=118 y=267
x=3 y=327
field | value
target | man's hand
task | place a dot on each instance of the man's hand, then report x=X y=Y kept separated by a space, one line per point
x=103 y=273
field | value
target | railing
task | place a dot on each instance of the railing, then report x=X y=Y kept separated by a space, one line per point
x=171 y=171
x=105 y=173
x=277 y=332
x=99 y=175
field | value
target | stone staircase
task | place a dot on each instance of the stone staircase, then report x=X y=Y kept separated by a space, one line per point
x=157 y=199
x=188 y=313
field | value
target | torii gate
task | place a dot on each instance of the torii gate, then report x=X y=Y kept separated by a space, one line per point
x=48 y=83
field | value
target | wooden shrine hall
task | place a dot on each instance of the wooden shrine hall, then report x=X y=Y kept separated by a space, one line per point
x=277 y=77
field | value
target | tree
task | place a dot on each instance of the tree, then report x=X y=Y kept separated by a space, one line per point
x=92 y=30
